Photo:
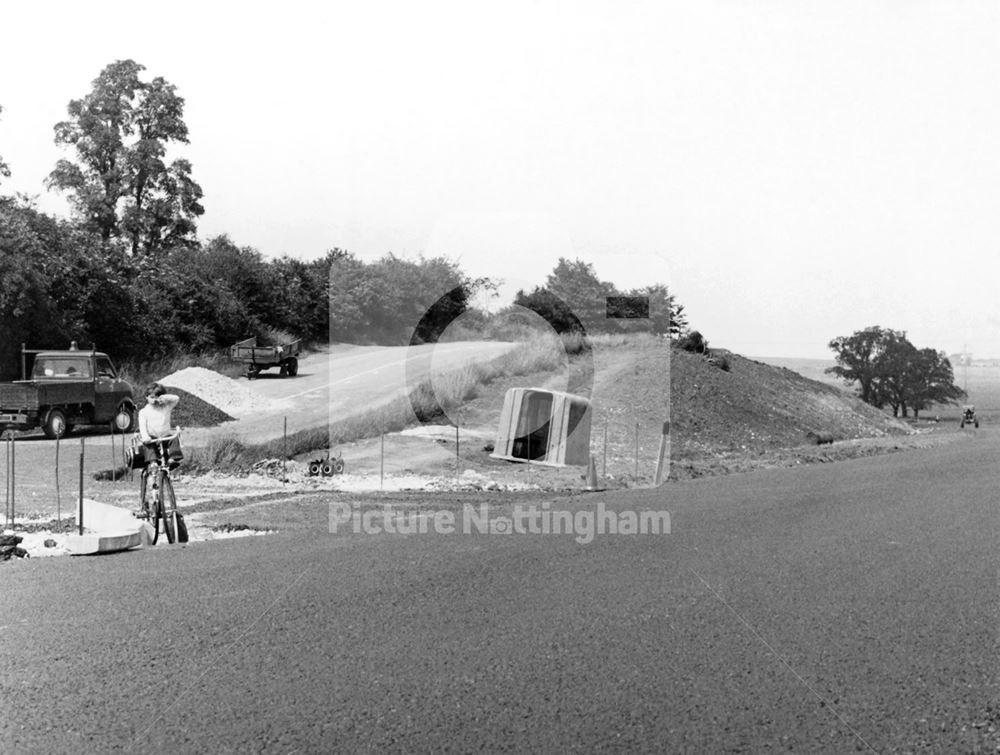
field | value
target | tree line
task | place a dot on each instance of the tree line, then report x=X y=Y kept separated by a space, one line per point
x=128 y=272
x=575 y=299
x=891 y=371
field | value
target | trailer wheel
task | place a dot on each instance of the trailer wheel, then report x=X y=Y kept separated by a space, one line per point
x=252 y=372
x=55 y=425
x=291 y=367
x=125 y=418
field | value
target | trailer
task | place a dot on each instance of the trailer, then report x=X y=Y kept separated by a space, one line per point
x=66 y=388
x=258 y=358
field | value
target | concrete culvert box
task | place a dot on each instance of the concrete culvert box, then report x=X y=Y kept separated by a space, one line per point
x=544 y=427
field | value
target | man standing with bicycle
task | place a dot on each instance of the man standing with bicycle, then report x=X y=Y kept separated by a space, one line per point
x=155 y=422
x=162 y=453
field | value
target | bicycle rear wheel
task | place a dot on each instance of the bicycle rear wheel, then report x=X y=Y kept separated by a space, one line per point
x=174 y=524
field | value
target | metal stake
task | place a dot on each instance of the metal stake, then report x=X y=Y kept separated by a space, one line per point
x=114 y=472
x=79 y=507
x=6 y=503
x=636 y=451
x=604 y=464
x=13 y=474
x=58 y=497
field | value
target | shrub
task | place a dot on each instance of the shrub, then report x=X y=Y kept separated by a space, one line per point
x=694 y=342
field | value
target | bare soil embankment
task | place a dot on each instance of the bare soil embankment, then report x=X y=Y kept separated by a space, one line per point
x=755 y=415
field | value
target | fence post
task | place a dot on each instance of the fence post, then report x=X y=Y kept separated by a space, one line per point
x=58 y=497
x=604 y=465
x=381 y=460
x=7 y=511
x=79 y=506
x=637 y=451
x=114 y=471
x=663 y=459
x=13 y=475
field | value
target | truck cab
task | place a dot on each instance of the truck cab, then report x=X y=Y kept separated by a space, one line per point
x=65 y=388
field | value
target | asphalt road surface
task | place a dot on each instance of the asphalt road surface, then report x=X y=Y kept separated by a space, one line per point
x=836 y=608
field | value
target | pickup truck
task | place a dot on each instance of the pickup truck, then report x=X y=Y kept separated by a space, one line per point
x=67 y=388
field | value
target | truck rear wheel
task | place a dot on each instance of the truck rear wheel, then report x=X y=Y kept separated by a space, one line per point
x=55 y=425
x=291 y=367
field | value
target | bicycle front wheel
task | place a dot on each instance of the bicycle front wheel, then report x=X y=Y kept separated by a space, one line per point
x=174 y=523
x=156 y=515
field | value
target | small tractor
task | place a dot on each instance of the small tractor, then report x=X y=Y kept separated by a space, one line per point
x=969 y=416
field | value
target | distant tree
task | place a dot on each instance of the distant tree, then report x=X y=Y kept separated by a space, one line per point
x=556 y=311
x=891 y=371
x=666 y=316
x=897 y=372
x=933 y=381
x=576 y=283
x=694 y=342
x=395 y=300
x=857 y=356
x=4 y=170
x=574 y=298
x=121 y=184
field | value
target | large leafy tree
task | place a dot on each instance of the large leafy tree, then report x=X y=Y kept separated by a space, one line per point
x=121 y=184
x=857 y=361
x=933 y=381
x=394 y=300
x=897 y=372
x=577 y=284
x=889 y=369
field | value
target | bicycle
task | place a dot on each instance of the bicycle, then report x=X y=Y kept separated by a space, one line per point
x=164 y=502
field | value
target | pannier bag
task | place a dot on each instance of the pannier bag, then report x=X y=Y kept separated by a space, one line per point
x=135 y=458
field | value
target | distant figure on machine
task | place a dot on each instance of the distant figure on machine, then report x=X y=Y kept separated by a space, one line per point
x=155 y=421
x=969 y=416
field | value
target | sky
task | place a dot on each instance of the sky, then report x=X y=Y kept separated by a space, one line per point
x=793 y=171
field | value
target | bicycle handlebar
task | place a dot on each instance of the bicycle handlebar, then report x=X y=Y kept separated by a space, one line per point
x=166 y=438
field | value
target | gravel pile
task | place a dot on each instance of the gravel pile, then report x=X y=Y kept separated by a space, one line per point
x=226 y=394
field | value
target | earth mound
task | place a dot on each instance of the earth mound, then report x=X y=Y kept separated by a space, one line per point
x=754 y=406
x=192 y=411
x=222 y=392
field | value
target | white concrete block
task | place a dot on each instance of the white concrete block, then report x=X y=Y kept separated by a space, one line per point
x=105 y=542
x=100 y=517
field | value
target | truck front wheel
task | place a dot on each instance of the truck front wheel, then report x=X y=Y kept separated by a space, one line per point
x=55 y=425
